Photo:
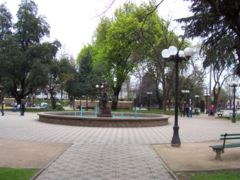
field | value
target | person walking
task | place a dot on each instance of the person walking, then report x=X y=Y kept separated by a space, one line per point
x=2 y=106
x=190 y=110
x=187 y=110
x=183 y=109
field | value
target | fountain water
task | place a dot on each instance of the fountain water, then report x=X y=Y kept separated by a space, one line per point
x=81 y=112
x=102 y=117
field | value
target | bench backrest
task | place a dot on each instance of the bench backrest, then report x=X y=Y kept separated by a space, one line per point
x=227 y=136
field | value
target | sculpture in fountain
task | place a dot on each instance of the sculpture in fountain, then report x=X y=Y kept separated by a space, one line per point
x=104 y=110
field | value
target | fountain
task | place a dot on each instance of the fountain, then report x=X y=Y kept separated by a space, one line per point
x=104 y=109
x=103 y=117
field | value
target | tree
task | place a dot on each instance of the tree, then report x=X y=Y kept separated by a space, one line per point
x=157 y=37
x=218 y=24
x=24 y=55
x=117 y=42
x=53 y=81
x=67 y=72
x=60 y=74
x=87 y=78
x=135 y=34
x=219 y=78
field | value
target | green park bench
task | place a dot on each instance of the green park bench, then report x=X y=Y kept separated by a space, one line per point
x=219 y=148
x=220 y=113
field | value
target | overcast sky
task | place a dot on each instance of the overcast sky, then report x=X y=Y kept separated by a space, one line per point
x=73 y=22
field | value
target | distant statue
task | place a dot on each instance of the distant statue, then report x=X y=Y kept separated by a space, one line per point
x=103 y=101
x=104 y=109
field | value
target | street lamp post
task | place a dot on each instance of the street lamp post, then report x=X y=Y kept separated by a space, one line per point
x=185 y=92
x=196 y=100
x=2 y=99
x=177 y=55
x=234 y=85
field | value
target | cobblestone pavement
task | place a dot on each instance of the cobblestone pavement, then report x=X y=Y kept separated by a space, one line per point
x=110 y=153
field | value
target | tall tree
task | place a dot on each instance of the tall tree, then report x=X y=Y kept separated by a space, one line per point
x=87 y=78
x=53 y=81
x=218 y=24
x=24 y=54
x=119 y=40
x=219 y=77
x=67 y=72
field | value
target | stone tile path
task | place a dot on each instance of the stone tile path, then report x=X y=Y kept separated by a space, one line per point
x=107 y=162
x=109 y=153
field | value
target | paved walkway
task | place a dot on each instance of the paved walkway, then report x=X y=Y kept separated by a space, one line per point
x=109 y=153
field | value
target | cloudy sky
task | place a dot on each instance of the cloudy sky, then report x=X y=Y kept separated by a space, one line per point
x=73 y=21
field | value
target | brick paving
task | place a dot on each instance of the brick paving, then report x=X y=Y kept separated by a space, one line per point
x=110 y=153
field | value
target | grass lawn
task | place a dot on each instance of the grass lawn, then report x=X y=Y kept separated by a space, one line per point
x=16 y=174
x=214 y=175
x=229 y=118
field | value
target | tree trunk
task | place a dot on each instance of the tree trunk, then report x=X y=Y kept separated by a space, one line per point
x=115 y=98
x=164 y=100
x=216 y=93
x=53 y=100
x=18 y=100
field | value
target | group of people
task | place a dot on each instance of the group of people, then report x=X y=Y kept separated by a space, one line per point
x=186 y=110
x=21 y=107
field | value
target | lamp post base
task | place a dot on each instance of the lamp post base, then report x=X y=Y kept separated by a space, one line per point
x=175 y=139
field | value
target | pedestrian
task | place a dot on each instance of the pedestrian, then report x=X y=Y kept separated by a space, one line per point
x=190 y=110
x=183 y=109
x=2 y=108
x=187 y=110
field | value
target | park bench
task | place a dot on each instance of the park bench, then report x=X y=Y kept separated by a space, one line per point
x=236 y=114
x=219 y=148
x=220 y=113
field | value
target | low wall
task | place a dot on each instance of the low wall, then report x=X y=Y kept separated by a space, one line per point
x=129 y=120
x=9 y=101
x=93 y=104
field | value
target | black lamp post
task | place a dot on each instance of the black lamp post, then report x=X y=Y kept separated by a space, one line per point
x=234 y=85
x=185 y=92
x=196 y=101
x=173 y=53
x=2 y=99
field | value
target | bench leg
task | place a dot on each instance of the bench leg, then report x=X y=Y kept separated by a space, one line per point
x=218 y=154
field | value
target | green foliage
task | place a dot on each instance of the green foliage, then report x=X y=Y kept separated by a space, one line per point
x=215 y=175
x=24 y=56
x=87 y=74
x=6 y=22
x=194 y=82
x=118 y=43
x=16 y=174
x=217 y=23
x=68 y=76
x=59 y=107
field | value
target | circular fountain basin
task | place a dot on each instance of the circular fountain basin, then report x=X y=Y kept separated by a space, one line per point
x=118 y=119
